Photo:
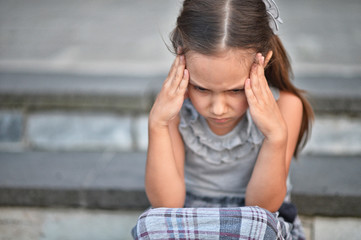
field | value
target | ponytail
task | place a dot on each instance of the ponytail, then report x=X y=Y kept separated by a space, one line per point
x=278 y=74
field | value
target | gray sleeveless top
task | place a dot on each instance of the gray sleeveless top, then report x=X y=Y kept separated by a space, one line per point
x=219 y=166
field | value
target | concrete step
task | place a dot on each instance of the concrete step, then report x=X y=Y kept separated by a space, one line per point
x=33 y=90
x=98 y=113
x=323 y=185
x=94 y=180
x=39 y=90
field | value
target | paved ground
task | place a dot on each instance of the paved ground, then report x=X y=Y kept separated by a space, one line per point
x=322 y=36
x=65 y=224
x=78 y=224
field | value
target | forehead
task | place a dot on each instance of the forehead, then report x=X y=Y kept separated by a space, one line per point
x=225 y=71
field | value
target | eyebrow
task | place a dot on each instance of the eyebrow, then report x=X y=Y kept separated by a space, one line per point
x=199 y=85
x=195 y=84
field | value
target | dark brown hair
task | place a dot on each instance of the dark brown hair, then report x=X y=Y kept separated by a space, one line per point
x=210 y=27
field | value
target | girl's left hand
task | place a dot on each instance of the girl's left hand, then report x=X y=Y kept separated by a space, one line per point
x=262 y=105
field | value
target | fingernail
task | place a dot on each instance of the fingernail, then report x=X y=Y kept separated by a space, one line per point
x=258 y=58
x=179 y=49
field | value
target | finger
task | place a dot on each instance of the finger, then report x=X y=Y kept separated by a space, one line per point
x=255 y=86
x=251 y=98
x=260 y=62
x=263 y=85
x=260 y=70
x=179 y=50
x=172 y=70
x=262 y=78
x=186 y=95
x=176 y=80
x=184 y=83
x=173 y=67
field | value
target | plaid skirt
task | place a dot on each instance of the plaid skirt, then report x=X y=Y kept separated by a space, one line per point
x=217 y=218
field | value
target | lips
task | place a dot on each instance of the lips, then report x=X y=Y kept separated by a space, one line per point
x=220 y=120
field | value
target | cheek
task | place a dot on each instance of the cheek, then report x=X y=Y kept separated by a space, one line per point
x=199 y=101
x=239 y=104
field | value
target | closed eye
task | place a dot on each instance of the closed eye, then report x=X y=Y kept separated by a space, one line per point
x=237 y=90
x=200 y=89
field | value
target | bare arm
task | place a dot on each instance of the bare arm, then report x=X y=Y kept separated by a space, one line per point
x=280 y=124
x=164 y=179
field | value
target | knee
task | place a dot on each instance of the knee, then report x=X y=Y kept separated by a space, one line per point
x=149 y=222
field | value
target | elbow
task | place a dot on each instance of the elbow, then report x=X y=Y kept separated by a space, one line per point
x=271 y=202
x=272 y=207
x=167 y=203
x=166 y=199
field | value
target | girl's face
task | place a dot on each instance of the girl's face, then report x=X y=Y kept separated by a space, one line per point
x=216 y=87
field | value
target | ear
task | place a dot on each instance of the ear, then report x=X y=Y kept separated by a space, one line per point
x=268 y=58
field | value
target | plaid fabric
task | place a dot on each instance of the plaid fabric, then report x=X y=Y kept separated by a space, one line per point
x=286 y=213
x=210 y=223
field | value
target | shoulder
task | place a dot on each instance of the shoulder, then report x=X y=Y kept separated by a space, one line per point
x=289 y=101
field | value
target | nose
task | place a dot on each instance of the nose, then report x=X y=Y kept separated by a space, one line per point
x=218 y=105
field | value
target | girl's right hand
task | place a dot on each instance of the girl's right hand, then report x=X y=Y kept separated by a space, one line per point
x=171 y=97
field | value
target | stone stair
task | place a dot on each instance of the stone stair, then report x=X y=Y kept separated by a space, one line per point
x=79 y=147
x=73 y=114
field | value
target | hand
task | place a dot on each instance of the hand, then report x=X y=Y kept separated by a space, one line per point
x=262 y=105
x=171 y=97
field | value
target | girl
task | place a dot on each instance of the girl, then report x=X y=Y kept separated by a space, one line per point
x=227 y=121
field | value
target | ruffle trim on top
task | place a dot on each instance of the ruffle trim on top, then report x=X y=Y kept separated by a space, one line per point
x=200 y=139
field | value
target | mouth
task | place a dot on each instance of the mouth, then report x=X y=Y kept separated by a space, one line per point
x=220 y=120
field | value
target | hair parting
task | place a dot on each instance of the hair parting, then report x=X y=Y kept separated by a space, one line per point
x=226 y=24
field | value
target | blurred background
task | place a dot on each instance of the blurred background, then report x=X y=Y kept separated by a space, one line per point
x=78 y=78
